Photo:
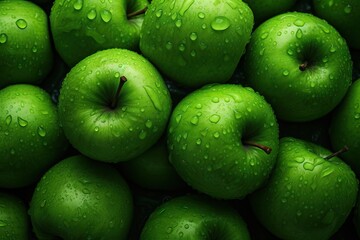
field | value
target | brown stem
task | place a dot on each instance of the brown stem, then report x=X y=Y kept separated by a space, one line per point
x=262 y=147
x=115 y=100
x=303 y=66
x=136 y=13
x=335 y=154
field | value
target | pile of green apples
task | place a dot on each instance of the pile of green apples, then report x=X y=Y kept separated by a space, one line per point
x=179 y=119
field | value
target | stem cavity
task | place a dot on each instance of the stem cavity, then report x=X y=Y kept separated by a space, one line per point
x=266 y=149
x=303 y=66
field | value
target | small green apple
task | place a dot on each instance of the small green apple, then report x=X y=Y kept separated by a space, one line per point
x=152 y=169
x=300 y=64
x=31 y=138
x=14 y=221
x=265 y=9
x=344 y=126
x=309 y=195
x=343 y=15
x=196 y=42
x=194 y=217
x=80 y=198
x=80 y=28
x=25 y=46
x=217 y=138
x=114 y=105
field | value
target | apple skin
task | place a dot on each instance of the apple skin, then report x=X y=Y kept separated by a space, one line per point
x=15 y=224
x=205 y=140
x=344 y=126
x=273 y=60
x=137 y=121
x=343 y=15
x=152 y=169
x=194 y=217
x=80 y=28
x=80 y=198
x=307 y=196
x=265 y=9
x=32 y=139
x=196 y=42
x=25 y=46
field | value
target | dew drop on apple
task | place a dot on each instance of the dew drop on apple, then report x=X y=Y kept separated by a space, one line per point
x=299 y=23
x=299 y=33
x=193 y=36
x=168 y=45
x=22 y=122
x=201 y=15
x=21 y=23
x=216 y=135
x=169 y=230
x=286 y=73
x=8 y=120
x=178 y=23
x=41 y=131
x=215 y=100
x=3 y=223
x=106 y=15
x=148 y=123
x=308 y=166
x=182 y=47
x=78 y=4
x=153 y=97
x=3 y=38
x=332 y=49
x=348 y=9
x=91 y=15
x=220 y=23
x=142 y=135
x=214 y=118
x=194 y=120
x=264 y=35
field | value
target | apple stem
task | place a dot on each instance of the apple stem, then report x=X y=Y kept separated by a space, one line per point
x=303 y=66
x=335 y=154
x=115 y=100
x=136 y=13
x=266 y=149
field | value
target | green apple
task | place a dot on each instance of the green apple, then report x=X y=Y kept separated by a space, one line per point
x=218 y=136
x=309 y=195
x=196 y=42
x=80 y=198
x=152 y=169
x=356 y=216
x=80 y=28
x=31 y=138
x=300 y=64
x=114 y=105
x=25 y=45
x=343 y=15
x=344 y=126
x=265 y=9
x=194 y=217
x=14 y=221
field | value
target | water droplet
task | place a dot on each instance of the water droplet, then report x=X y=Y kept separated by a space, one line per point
x=148 y=123
x=308 y=166
x=3 y=38
x=78 y=5
x=193 y=53
x=169 y=230
x=193 y=36
x=215 y=100
x=290 y=52
x=237 y=114
x=182 y=47
x=91 y=14
x=21 y=23
x=299 y=33
x=105 y=15
x=86 y=191
x=178 y=118
x=142 y=135
x=186 y=4
x=194 y=120
x=22 y=122
x=357 y=116
x=348 y=9
x=216 y=135
x=96 y=129
x=299 y=159
x=286 y=73
x=41 y=131
x=3 y=223
x=168 y=45
x=159 y=13
x=178 y=23
x=153 y=97
x=299 y=23
x=43 y=203
x=198 y=141
x=201 y=15
x=264 y=35
x=12 y=151
x=332 y=49
x=220 y=23
x=8 y=120
x=214 y=118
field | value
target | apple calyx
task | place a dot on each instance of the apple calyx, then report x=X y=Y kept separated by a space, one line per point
x=303 y=66
x=136 y=13
x=266 y=149
x=335 y=154
x=115 y=99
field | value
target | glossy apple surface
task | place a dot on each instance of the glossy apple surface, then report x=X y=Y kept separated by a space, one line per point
x=300 y=64
x=196 y=42
x=31 y=138
x=194 y=217
x=107 y=126
x=209 y=138
x=80 y=198
x=308 y=196
x=25 y=45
